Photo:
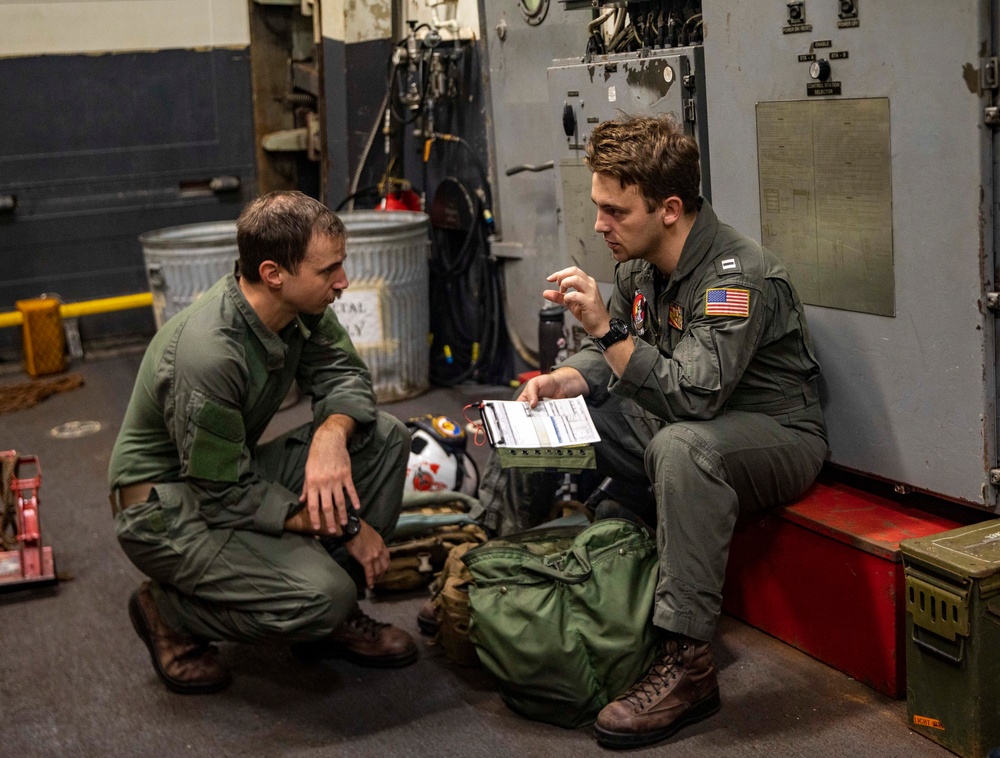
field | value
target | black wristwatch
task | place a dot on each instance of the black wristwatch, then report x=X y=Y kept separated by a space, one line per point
x=617 y=331
x=351 y=528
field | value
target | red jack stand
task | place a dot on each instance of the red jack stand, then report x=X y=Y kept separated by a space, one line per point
x=31 y=564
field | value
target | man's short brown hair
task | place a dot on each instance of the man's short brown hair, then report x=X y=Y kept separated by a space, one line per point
x=651 y=152
x=277 y=227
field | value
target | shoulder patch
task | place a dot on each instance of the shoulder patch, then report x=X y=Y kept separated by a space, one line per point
x=639 y=313
x=676 y=315
x=728 y=265
x=727 y=301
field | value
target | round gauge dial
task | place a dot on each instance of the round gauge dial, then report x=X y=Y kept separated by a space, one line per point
x=533 y=10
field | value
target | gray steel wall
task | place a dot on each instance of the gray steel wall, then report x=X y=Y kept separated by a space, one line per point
x=909 y=398
x=99 y=148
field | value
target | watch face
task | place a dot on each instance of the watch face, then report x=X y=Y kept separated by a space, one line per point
x=353 y=525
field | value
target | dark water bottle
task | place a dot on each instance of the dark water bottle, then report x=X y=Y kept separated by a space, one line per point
x=551 y=337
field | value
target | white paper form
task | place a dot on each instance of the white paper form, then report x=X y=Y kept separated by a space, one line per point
x=551 y=423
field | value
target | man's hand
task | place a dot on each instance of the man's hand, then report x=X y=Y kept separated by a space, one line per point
x=328 y=484
x=561 y=383
x=579 y=293
x=368 y=549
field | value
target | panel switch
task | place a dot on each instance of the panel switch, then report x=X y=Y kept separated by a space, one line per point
x=796 y=12
x=820 y=70
x=569 y=120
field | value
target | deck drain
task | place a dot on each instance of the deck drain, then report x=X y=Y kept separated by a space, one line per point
x=73 y=429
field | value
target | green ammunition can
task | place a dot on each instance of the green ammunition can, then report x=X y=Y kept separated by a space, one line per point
x=953 y=637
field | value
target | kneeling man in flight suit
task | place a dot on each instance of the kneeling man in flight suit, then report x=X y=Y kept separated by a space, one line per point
x=700 y=378
x=259 y=543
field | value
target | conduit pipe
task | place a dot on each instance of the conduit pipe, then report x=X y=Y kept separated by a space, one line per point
x=88 y=308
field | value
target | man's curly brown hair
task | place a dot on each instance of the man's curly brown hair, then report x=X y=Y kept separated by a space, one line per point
x=651 y=152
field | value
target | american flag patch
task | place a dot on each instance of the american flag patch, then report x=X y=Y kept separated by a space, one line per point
x=727 y=302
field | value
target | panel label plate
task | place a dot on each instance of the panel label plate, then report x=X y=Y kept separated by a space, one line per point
x=822 y=89
x=826 y=199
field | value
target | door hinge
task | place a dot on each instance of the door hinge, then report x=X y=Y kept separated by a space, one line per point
x=989 y=74
x=993 y=301
x=689 y=111
x=989 y=82
x=995 y=476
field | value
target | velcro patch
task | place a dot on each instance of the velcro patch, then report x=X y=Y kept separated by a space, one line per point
x=218 y=442
x=724 y=301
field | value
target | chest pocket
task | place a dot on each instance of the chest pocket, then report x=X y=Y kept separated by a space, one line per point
x=217 y=441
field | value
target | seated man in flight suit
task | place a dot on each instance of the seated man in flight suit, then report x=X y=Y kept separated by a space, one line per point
x=700 y=378
x=259 y=543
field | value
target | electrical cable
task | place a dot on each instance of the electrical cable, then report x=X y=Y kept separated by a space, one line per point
x=695 y=17
x=478 y=161
x=372 y=189
x=470 y=337
x=597 y=22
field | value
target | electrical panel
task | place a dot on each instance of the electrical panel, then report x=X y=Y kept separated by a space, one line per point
x=854 y=140
x=584 y=94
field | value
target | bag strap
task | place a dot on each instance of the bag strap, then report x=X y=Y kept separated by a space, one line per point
x=554 y=569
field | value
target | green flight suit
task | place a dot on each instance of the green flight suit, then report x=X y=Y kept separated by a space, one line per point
x=717 y=408
x=212 y=536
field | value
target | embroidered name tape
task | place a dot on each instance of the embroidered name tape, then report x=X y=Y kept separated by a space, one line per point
x=724 y=301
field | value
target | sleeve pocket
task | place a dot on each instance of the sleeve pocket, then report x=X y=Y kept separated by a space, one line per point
x=218 y=443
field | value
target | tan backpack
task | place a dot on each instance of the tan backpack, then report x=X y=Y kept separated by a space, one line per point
x=430 y=525
x=449 y=606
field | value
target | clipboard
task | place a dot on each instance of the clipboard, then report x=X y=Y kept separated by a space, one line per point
x=558 y=457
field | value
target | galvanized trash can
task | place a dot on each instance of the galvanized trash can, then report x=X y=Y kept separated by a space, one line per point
x=385 y=307
x=184 y=261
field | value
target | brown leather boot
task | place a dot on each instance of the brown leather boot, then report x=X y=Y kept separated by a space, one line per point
x=187 y=665
x=364 y=641
x=679 y=688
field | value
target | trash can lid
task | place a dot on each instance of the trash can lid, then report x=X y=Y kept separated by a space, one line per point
x=373 y=223
x=208 y=234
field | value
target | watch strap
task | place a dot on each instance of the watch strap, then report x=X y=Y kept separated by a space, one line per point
x=617 y=331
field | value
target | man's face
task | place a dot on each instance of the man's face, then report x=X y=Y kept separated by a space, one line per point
x=321 y=278
x=630 y=229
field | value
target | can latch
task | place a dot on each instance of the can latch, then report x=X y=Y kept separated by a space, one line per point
x=936 y=609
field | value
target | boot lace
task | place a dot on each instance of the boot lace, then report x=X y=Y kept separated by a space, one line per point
x=659 y=676
x=364 y=624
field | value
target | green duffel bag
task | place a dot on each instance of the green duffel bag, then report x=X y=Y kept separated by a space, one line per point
x=563 y=616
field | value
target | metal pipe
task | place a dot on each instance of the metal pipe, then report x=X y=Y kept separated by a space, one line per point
x=88 y=307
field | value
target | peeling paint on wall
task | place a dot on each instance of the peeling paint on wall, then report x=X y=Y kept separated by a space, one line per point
x=367 y=20
x=356 y=20
x=41 y=27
